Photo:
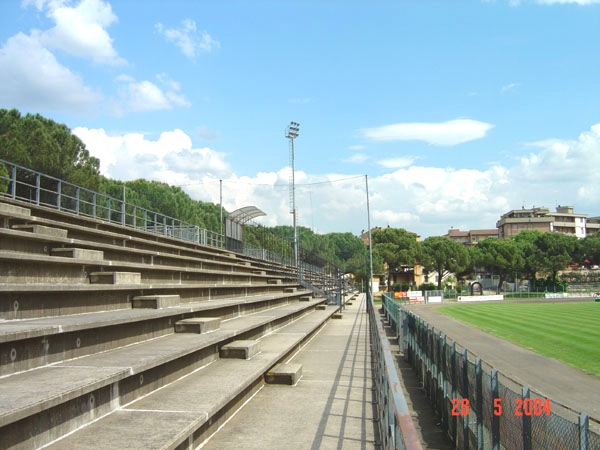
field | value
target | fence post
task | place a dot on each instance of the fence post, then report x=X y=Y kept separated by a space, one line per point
x=479 y=402
x=467 y=395
x=442 y=373
x=525 y=394
x=37 y=188
x=584 y=423
x=58 y=195
x=495 y=418
x=13 y=176
x=77 y=201
x=454 y=431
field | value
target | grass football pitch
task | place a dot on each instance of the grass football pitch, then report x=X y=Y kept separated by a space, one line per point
x=569 y=332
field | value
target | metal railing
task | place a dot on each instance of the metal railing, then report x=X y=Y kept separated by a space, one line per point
x=43 y=190
x=479 y=407
x=20 y=183
x=395 y=421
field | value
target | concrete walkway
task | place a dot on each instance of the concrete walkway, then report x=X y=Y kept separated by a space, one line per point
x=552 y=378
x=330 y=407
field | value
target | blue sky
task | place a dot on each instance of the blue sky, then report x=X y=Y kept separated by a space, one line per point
x=456 y=111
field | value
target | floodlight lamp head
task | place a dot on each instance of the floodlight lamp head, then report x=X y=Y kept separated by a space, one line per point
x=292 y=130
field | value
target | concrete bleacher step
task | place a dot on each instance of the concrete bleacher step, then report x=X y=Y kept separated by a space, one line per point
x=183 y=414
x=78 y=253
x=155 y=301
x=198 y=325
x=42 y=230
x=115 y=278
x=7 y=209
x=284 y=374
x=243 y=349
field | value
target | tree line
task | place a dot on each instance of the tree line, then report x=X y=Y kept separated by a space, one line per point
x=531 y=255
x=46 y=146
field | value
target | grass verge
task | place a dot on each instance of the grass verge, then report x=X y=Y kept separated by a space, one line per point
x=569 y=332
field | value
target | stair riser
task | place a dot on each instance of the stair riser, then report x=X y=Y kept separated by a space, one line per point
x=27 y=272
x=30 y=305
x=50 y=424
x=39 y=351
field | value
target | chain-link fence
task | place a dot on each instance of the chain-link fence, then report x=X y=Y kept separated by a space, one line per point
x=482 y=409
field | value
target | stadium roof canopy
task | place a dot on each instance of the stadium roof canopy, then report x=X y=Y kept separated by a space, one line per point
x=245 y=214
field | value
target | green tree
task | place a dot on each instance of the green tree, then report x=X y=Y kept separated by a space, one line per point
x=503 y=257
x=555 y=252
x=443 y=256
x=396 y=247
x=589 y=250
x=46 y=146
x=531 y=262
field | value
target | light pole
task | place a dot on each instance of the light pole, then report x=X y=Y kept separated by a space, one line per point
x=291 y=134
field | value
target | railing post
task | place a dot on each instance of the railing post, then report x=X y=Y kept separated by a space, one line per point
x=59 y=195
x=13 y=180
x=77 y=200
x=479 y=402
x=526 y=432
x=37 y=188
x=442 y=372
x=466 y=393
x=453 y=387
x=94 y=203
x=584 y=423
x=495 y=418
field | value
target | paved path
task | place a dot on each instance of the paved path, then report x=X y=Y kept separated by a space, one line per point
x=552 y=378
x=330 y=407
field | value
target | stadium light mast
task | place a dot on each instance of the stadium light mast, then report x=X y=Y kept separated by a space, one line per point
x=291 y=134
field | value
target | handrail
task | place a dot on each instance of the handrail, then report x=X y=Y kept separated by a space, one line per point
x=35 y=187
x=44 y=190
x=397 y=429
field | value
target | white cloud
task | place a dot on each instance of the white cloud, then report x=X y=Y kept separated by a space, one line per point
x=396 y=163
x=509 y=87
x=147 y=96
x=171 y=158
x=448 y=133
x=206 y=134
x=425 y=200
x=32 y=78
x=188 y=39
x=81 y=30
x=358 y=158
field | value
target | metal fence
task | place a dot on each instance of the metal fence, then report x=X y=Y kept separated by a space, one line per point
x=479 y=407
x=20 y=183
x=395 y=421
x=34 y=187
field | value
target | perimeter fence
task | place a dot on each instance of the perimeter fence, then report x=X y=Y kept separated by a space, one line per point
x=23 y=184
x=479 y=407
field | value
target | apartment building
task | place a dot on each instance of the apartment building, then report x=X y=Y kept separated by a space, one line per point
x=470 y=237
x=564 y=220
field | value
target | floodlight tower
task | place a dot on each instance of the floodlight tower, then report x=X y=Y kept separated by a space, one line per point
x=291 y=134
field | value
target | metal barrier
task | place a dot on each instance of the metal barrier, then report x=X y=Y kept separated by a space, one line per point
x=21 y=183
x=396 y=426
x=34 y=187
x=479 y=407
